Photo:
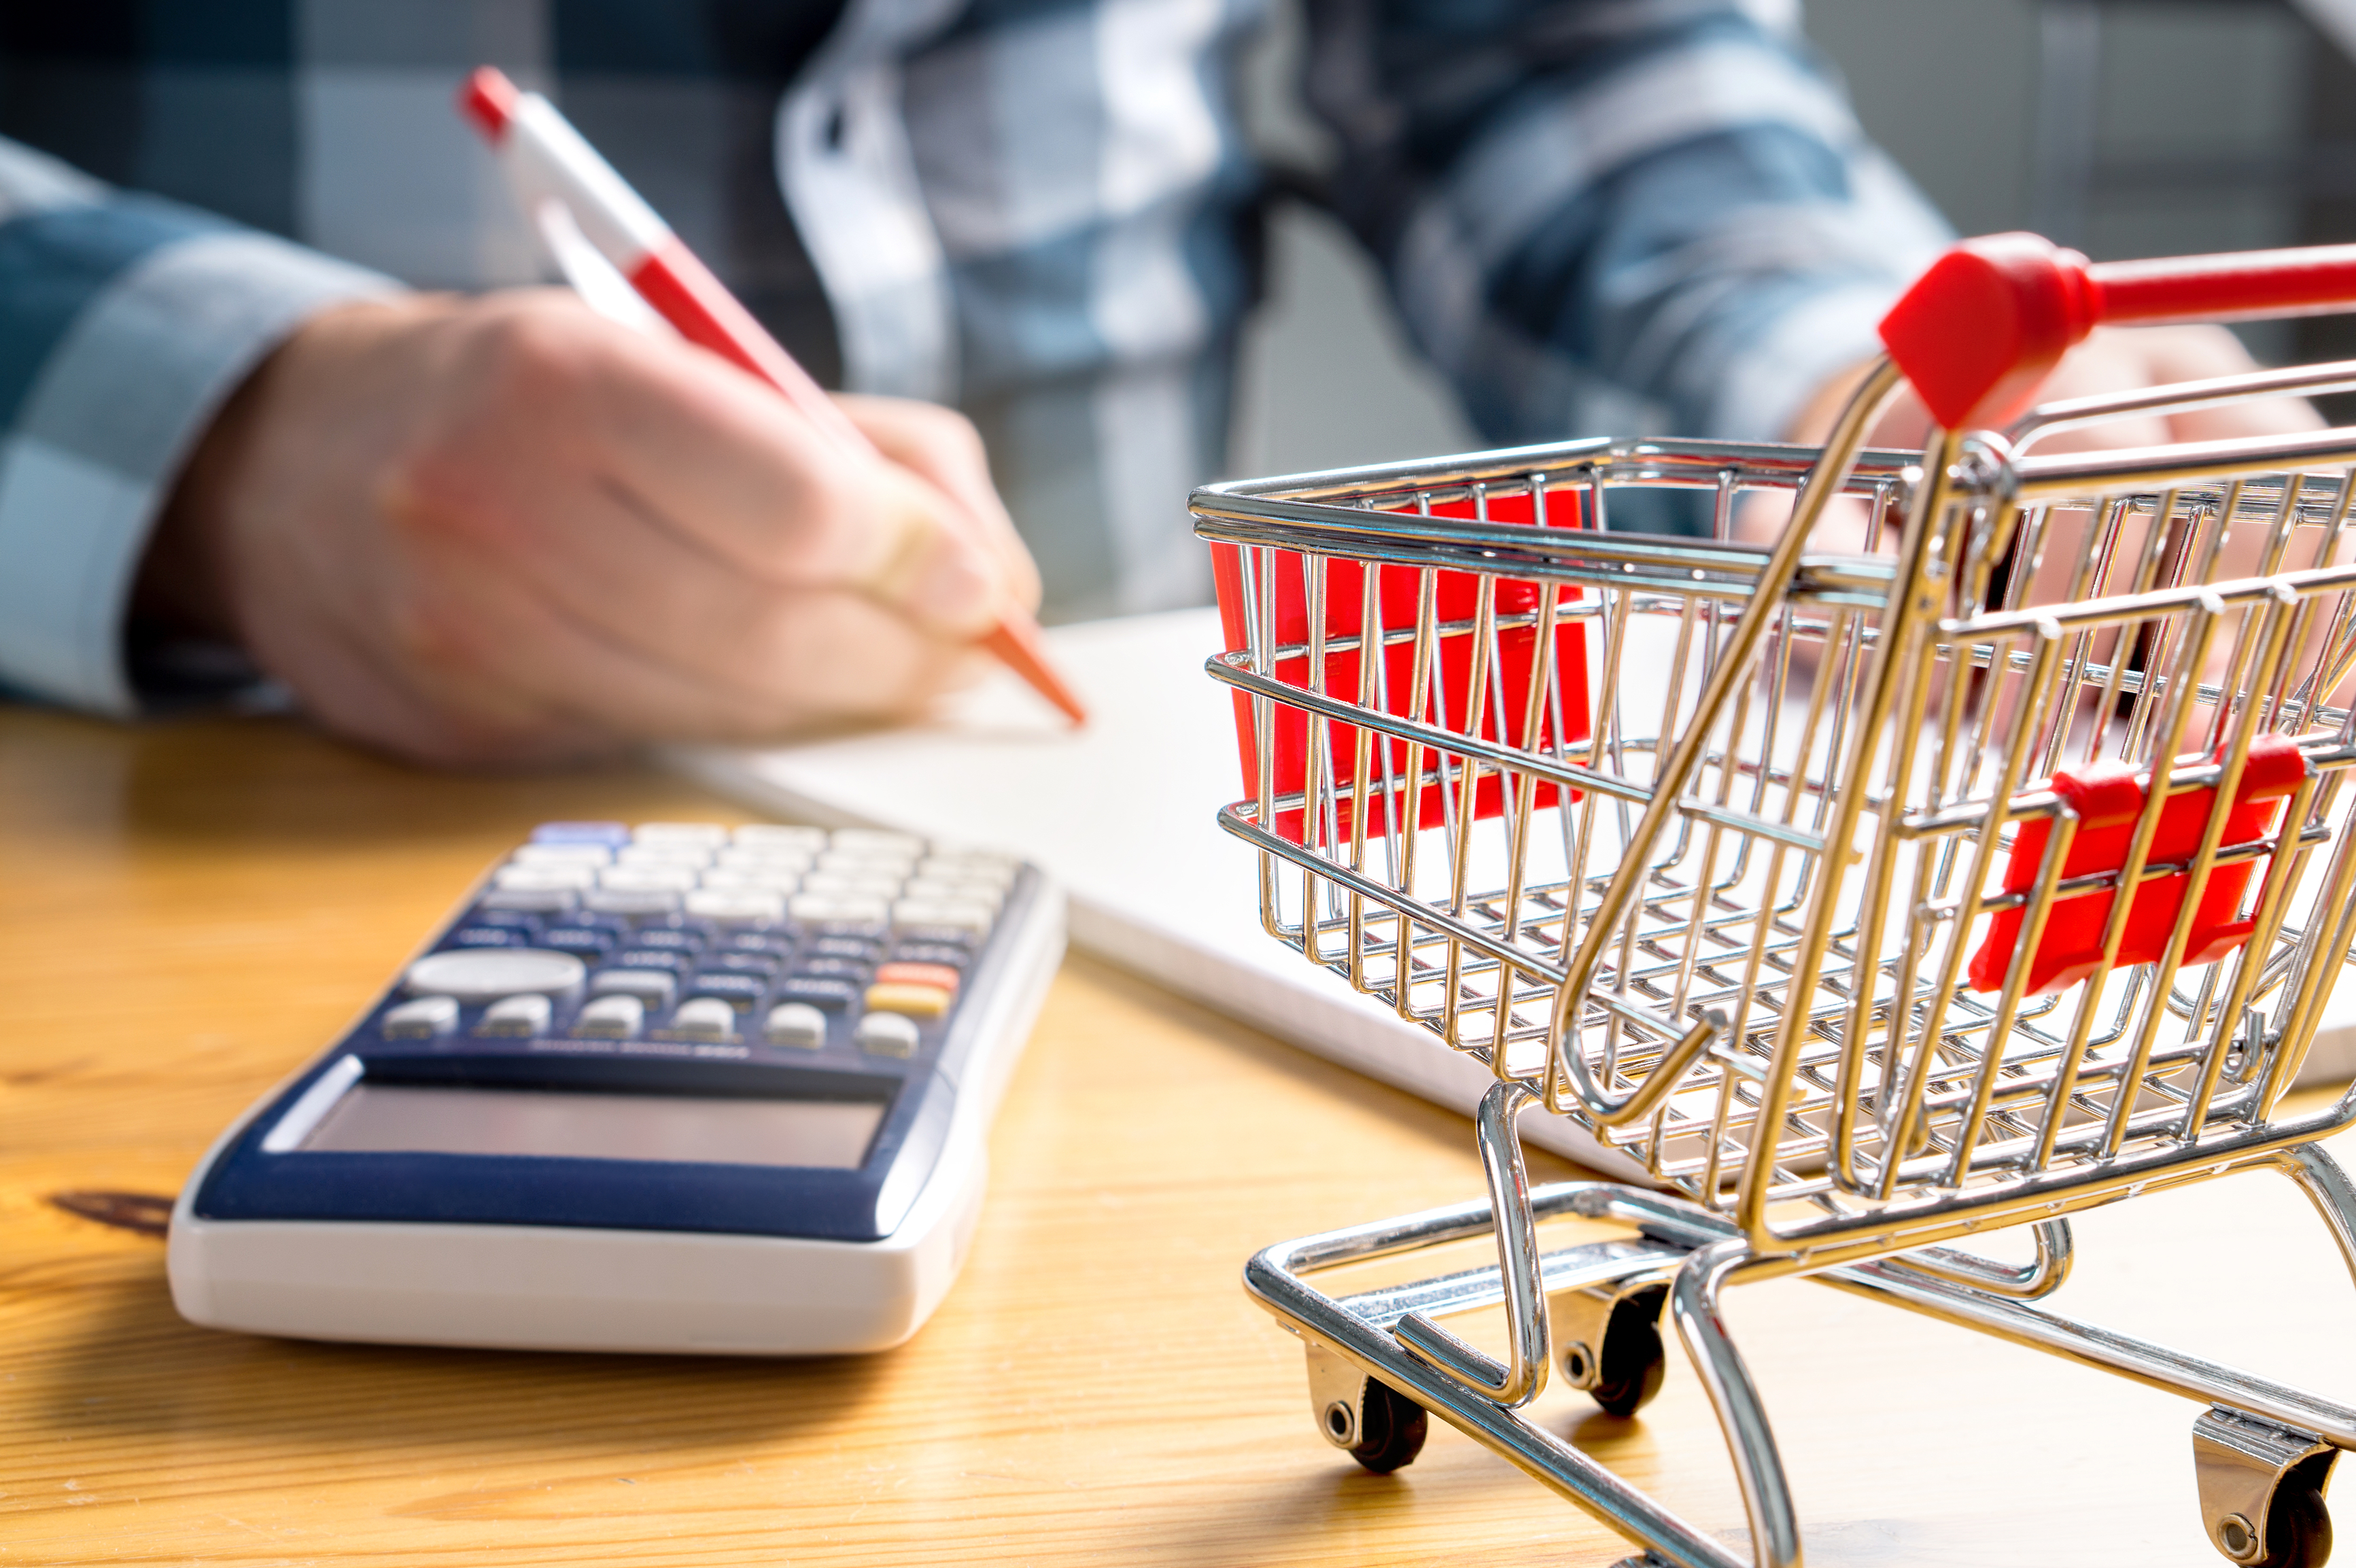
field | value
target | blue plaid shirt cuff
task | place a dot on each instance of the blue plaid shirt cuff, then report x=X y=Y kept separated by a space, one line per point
x=123 y=325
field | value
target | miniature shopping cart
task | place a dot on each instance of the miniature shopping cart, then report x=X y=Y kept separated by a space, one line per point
x=1976 y=853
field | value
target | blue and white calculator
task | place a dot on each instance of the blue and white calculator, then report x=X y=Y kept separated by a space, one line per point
x=678 y=1087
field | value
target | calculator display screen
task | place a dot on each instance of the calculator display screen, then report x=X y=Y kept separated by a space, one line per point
x=412 y=1119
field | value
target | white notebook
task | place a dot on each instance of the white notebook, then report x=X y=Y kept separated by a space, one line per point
x=1122 y=814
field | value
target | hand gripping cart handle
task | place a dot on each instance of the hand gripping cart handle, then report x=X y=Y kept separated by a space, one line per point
x=1977 y=853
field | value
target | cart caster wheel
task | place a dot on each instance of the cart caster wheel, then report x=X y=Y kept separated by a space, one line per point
x=1392 y=1428
x=1633 y=1362
x=2298 y=1528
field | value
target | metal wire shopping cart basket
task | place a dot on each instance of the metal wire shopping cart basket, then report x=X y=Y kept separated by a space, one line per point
x=1864 y=899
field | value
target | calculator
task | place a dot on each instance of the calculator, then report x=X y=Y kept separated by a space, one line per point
x=675 y=1087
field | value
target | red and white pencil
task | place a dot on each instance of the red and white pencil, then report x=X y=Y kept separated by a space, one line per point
x=555 y=157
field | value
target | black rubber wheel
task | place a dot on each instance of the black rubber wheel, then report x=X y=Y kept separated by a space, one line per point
x=1390 y=1431
x=2298 y=1527
x=1634 y=1363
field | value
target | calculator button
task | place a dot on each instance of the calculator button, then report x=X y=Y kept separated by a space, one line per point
x=629 y=901
x=761 y=964
x=563 y=855
x=661 y=958
x=579 y=939
x=818 y=991
x=481 y=975
x=940 y=976
x=491 y=936
x=608 y=833
x=949 y=956
x=879 y=841
x=614 y=1017
x=426 y=1017
x=971 y=918
x=857 y=947
x=842 y=885
x=916 y=1001
x=703 y=835
x=887 y=1034
x=759 y=942
x=671 y=938
x=661 y=879
x=695 y=856
x=935 y=890
x=833 y=968
x=574 y=877
x=757 y=879
x=795 y=1023
x=654 y=985
x=821 y=909
x=529 y=900
x=739 y=991
x=515 y=1018
x=777 y=836
x=999 y=870
x=705 y=1018
x=738 y=906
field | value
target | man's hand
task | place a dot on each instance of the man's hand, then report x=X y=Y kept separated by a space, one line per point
x=2113 y=359
x=505 y=530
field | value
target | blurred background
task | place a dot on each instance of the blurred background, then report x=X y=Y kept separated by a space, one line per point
x=2124 y=127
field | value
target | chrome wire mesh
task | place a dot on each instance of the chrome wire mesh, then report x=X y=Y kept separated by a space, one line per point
x=1459 y=687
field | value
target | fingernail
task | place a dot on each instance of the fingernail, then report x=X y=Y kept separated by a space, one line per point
x=954 y=589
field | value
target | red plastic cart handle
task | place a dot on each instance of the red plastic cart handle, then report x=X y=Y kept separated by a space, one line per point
x=1978 y=332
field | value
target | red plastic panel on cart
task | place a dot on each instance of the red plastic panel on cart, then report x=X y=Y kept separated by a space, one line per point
x=1397 y=599
x=2108 y=797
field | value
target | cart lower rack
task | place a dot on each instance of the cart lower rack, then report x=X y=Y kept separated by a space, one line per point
x=1973 y=853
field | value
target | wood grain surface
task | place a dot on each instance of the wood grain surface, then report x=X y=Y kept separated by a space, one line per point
x=192 y=911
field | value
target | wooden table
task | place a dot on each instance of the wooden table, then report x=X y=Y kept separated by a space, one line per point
x=193 y=910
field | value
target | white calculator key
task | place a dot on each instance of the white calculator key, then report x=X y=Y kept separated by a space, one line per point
x=530 y=901
x=857 y=862
x=538 y=877
x=735 y=904
x=971 y=918
x=709 y=835
x=693 y=855
x=705 y=1018
x=649 y=879
x=630 y=900
x=522 y=1018
x=996 y=871
x=563 y=855
x=875 y=841
x=887 y=1034
x=423 y=1018
x=483 y=974
x=764 y=879
x=612 y=1016
x=850 y=885
x=652 y=985
x=942 y=890
x=795 y=1023
x=757 y=855
x=778 y=837
x=825 y=909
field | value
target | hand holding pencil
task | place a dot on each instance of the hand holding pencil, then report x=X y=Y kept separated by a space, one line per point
x=552 y=163
x=501 y=529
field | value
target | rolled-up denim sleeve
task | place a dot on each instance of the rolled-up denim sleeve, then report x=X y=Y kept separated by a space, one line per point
x=1620 y=216
x=124 y=324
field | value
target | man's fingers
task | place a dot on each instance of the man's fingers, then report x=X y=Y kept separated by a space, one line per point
x=807 y=656
x=941 y=446
x=711 y=451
